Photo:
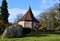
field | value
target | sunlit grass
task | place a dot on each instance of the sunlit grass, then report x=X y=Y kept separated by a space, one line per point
x=41 y=37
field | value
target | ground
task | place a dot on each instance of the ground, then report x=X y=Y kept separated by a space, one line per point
x=41 y=37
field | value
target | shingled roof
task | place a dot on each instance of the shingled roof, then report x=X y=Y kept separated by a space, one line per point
x=28 y=16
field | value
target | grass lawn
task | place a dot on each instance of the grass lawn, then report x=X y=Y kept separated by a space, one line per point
x=41 y=37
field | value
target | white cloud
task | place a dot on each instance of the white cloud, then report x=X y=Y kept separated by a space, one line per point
x=15 y=11
x=48 y=3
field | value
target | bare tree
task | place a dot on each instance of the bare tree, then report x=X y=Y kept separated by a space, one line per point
x=18 y=17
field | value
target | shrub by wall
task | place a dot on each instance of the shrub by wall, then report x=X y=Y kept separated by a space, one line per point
x=12 y=32
x=15 y=31
x=26 y=31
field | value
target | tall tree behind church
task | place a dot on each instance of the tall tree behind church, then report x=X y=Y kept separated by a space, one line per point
x=4 y=11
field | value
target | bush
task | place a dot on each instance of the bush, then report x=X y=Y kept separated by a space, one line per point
x=3 y=25
x=26 y=31
x=13 y=31
x=2 y=28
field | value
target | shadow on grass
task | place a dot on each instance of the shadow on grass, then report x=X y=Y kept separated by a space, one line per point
x=42 y=34
x=34 y=35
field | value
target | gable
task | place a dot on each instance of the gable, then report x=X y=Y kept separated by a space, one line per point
x=28 y=16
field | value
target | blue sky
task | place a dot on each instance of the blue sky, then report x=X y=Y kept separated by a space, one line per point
x=21 y=6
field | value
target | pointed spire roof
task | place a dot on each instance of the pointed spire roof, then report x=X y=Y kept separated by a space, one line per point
x=29 y=16
x=29 y=9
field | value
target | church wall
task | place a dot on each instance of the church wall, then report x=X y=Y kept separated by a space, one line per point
x=27 y=24
x=21 y=23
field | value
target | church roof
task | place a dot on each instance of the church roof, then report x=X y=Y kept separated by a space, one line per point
x=28 y=16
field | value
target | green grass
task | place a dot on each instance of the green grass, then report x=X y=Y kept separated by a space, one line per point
x=41 y=37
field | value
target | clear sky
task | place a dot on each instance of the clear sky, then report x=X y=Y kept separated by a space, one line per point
x=21 y=6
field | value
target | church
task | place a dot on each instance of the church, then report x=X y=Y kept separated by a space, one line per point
x=28 y=20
